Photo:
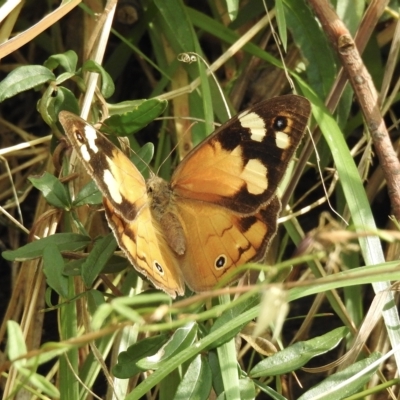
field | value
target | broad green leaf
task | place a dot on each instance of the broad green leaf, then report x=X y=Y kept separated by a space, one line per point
x=230 y=315
x=174 y=16
x=213 y=362
x=24 y=78
x=53 y=266
x=67 y=61
x=137 y=118
x=114 y=265
x=197 y=381
x=298 y=354
x=181 y=339
x=64 y=242
x=98 y=258
x=273 y=395
x=350 y=13
x=313 y=44
x=107 y=86
x=40 y=382
x=53 y=190
x=65 y=100
x=95 y=300
x=233 y=8
x=281 y=22
x=65 y=76
x=89 y=194
x=344 y=383
x=189 y=353
x=126 y=366
x=16 y=346
x=143 y=157
x=247 y=389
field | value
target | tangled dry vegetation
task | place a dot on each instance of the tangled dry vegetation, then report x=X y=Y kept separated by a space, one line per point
x=318 y=317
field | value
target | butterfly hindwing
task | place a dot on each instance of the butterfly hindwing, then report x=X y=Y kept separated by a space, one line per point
x=221 y=241
x=146 y=249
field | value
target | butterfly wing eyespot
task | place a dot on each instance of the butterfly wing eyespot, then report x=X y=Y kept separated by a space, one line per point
x=78 y=136
x=220 y=261
x=280 y=123
x=158 y=266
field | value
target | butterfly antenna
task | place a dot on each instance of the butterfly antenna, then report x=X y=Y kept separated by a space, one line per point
x=175 y=146
x=192 y=57
x=279 y=46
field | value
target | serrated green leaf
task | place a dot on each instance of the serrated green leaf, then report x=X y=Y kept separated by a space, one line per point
x=67 y=61
x=98 y=258
x=197 y=381
x=137 y=118
x=126 y=365
x=64 y=242
x=298 y=354
x=89 y=194
x=52 y=189
x=24 y=78
x=107 y=86
x=53 y=266
x=181 y=339
x=342 y=384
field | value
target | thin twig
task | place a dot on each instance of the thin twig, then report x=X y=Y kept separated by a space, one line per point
x=366 y=94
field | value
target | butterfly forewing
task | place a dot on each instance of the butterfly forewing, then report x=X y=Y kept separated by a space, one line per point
x=108 y=165
x=241 y=164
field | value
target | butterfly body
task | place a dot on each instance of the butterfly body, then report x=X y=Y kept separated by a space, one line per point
x=164 y=211
x=220 y=209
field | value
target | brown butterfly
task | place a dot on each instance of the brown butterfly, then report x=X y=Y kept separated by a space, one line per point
x=220 y=209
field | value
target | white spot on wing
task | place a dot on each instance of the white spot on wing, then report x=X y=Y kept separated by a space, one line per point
x=91 y=136
x=282 y=140
x=255 y=176
x=256 y=125
x=84 y=151
x=112 y=185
